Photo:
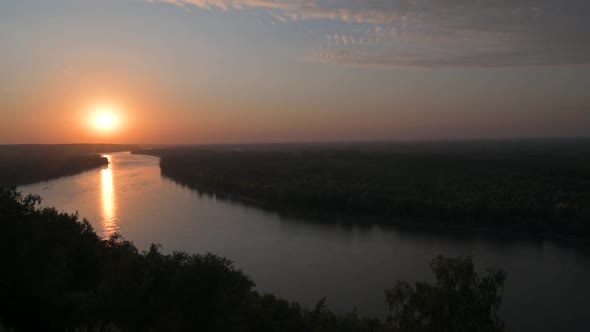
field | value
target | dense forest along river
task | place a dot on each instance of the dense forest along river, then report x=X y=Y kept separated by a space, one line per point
x=547 y=289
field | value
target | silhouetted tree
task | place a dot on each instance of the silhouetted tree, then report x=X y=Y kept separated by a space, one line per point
x=58 y=275
x=459 y=301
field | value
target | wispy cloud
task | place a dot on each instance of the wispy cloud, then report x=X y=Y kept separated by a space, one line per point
x=298 y=9
x=431 y=33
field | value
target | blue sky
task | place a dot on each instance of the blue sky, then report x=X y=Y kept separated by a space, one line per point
x=274 y=70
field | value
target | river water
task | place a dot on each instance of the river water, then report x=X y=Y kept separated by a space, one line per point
x=547 y=289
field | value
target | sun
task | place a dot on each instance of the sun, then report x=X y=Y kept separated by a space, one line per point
x=105 y=118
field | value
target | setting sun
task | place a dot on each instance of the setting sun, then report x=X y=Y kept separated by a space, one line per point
x=105 y=118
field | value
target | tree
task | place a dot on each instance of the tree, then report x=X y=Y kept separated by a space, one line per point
x=58 y=275
x=460 y=301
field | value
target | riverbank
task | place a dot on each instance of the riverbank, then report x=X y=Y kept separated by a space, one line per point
x=413 y=225
x=545 y=193
x=25 y=164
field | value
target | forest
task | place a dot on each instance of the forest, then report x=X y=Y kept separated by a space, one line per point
x=58 y=275
x=24 y=164
x=534 y=187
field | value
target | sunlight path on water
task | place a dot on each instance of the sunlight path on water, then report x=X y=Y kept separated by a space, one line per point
x=108 y=202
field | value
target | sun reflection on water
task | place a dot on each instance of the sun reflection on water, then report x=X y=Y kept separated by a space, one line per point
x=108 y=200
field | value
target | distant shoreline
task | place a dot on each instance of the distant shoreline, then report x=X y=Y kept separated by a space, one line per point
x=32 y=163
x=179 y=168
x=324 y=217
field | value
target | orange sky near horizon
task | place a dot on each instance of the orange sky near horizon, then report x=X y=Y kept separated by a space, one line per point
x=62 y=109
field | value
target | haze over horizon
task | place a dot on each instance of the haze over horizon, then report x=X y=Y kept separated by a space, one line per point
x=228 y=71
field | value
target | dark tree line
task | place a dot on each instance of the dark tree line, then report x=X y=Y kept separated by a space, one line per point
x=58 y=275
x=459 y=292
x=23 y=164
x=532 y=192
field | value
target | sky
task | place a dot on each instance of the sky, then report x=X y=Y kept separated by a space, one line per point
x=225 y=71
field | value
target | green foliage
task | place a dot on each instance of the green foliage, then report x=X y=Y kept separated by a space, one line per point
x=460 y=301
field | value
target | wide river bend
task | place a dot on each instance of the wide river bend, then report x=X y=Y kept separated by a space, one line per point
x=547 y=289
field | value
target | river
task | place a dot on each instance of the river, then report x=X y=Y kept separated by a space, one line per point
x=547 y=288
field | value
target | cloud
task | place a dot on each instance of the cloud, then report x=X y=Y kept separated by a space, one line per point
x=431 y=33
x=296 y=10
x=278 y=17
